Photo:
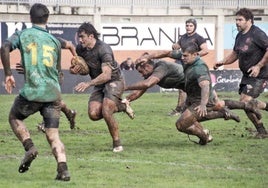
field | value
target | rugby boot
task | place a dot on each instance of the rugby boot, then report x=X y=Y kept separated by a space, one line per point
x=63 y=176
x=118 y=149
x=30 y=155
x=71 y=117
x=209 y=138
x=41 y=127
x=129 y=111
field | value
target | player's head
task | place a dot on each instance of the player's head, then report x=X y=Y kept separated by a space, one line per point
x=144 y=67
x=244 y=20
x=189 y=52
x=246 y=13
x=39 y=14
x=88 y=29
x=190 y=25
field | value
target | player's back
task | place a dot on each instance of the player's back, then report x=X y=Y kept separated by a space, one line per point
x=41 y=59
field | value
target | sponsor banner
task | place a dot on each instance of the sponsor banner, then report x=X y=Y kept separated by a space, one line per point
x=222 y=80
x=137 y=36
x=133 y=36
x=63 y=30
x=226 y=80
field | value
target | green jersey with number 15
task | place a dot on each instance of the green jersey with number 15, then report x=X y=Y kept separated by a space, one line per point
x=41 y=53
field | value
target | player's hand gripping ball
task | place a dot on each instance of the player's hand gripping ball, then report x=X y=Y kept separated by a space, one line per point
x=79 y=66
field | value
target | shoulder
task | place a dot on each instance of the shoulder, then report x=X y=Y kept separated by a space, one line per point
x=102 y=47
x=199 y=37
x=200 y=62
x=256 y=30
x=183 y=36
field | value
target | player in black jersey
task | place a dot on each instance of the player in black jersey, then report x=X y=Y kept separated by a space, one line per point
x=251 y=51
x=190 y=36
x=106 y=78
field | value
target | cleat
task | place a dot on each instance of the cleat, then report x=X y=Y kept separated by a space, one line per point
x=71 y=118
x=129 y=111
x=261 y=135
x=228 y=114
x=209 y=138
x=30 y=155
x=41 y=127
x=252 y=106
x=63 y=176
x=174 y=113
x=118 y=149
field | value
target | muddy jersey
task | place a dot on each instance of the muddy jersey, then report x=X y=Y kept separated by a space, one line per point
x=250 y=49
x=41 y=56
x=195 y=73
x=196 y=38
x=100 y=55
x=170 y=74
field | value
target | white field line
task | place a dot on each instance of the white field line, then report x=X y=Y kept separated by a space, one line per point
x=127 y=162
x=201 y=166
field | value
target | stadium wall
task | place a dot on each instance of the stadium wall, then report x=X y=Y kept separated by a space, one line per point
x=132 y=32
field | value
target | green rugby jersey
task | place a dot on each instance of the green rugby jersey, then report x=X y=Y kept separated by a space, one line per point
x=41 y=55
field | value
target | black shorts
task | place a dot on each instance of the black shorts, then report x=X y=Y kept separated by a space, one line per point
x=192 y=104
x=112 y=90
x=252 y=86
x=22 y=108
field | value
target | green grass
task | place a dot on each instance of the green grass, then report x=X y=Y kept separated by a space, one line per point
x=155 y=154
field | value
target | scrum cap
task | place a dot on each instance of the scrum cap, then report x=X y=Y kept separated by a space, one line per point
x=193 y=21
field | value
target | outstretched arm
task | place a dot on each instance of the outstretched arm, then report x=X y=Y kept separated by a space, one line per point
x=65 y=44
x=135 y=95
x=144 y=84
x=160 y=54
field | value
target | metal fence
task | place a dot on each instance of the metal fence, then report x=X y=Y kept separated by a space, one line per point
x=228 y=4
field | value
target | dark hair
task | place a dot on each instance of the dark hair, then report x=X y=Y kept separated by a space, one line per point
x=246 y=13
x=190 y=47
x=39 y=14
x=193 y=21
x=89 y=29
x=139 y=63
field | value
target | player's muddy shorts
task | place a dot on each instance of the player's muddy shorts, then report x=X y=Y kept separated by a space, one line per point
x=112 y=90
x=252 y=86
x=22 y=108
x=191 y=105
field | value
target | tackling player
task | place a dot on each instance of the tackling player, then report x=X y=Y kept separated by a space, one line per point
x=190 y=36
x=171 y=75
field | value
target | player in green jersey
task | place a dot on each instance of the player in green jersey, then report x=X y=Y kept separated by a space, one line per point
x=40 y=56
